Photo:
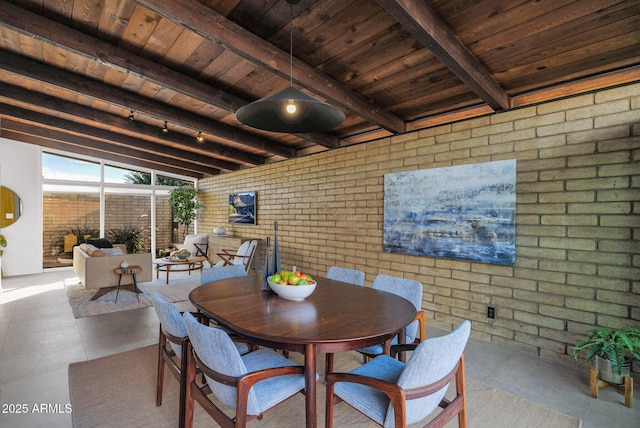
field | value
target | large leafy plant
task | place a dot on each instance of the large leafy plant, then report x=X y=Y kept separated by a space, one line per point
x=185 y=204
x=616 y=345
x=132 y=236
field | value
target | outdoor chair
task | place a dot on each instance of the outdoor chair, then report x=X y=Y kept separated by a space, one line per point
x=248 y=384
x=242 y=256
x=394 y=394
x=196 y=244
x=352 y=276
x=172 y=348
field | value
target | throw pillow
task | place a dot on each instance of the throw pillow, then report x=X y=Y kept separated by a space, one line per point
x=115 y=251
x=91 y=250
x=100 y=242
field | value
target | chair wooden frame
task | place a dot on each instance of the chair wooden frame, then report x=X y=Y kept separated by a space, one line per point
x=399 y=396
x=228 y=255
x=243 y=384
x=420 y=317
x=166 y=355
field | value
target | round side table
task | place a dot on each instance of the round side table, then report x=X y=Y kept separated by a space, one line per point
x=131 y=270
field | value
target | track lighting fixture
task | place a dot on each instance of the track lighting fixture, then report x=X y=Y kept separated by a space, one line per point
x=131 y=115
x=200 y=138
x=165 y=129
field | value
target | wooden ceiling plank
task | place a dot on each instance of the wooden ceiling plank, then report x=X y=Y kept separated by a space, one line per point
x=598 y=54
x=117 y=58
x=162 y=38
x=141 y=25
x=87 y=14
x=605 y=80
x=39 y=119
x=85 y=146
x=113 y=122
x=575 y=34
x=33 y=128
x=114 y=19
x=185 y=45
x=78 y=85
x=428 y=28
x=307 y=20
x=207 y=22
x=546 y=23
x=330 y=39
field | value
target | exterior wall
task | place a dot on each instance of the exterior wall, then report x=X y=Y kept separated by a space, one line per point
x=64 y=212
x=578 y=222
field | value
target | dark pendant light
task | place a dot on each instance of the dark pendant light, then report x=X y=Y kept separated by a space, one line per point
x=290 y=110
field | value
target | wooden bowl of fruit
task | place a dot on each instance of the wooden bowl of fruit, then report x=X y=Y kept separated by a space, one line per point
x=292 y=285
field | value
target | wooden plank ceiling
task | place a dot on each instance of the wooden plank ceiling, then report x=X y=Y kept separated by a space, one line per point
x=102 y=77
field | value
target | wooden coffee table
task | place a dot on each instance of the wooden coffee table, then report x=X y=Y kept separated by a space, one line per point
x=166 y=264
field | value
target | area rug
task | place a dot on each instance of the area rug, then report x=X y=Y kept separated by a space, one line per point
x=120 y=390
x=178 y=289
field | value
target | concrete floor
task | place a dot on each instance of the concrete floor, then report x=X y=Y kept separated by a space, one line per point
x=39 y=338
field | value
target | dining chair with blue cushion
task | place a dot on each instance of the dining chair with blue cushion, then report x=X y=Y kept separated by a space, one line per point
x=223 y=272
x=411 y=290
x=248 y=384
x=172 y=348
x=352 y=276
x=394 y=394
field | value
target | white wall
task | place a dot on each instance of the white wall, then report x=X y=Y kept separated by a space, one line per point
x=21 y=171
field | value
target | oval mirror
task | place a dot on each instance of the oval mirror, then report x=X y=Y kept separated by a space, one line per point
x=10 y=207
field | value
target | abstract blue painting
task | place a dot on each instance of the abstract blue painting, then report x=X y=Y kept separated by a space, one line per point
x=465 y=212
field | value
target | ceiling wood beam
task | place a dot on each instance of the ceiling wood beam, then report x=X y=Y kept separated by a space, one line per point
x=82 y=86
x=56 y=34
x=62 y=109
x=430 y=30
x=208 y=23
x=109 y=141
x=53 y=139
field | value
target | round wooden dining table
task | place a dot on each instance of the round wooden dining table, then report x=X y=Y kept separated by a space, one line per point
x=337 y=317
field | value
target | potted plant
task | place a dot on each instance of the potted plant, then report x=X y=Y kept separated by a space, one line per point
x=610 y=351
x=185 y=204
x=132 y=236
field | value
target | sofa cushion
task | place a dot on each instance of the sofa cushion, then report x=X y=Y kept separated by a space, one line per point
x=92 y=250
x=100 y=242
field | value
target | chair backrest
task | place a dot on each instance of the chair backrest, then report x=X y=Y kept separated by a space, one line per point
x=192 y=239
x=352 y=276
x=217 y=351
x=246 y=251
x=410 y=289
x=171 y=320
x=431 y=361
x=222 y=272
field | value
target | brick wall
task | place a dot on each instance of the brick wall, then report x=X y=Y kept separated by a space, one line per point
x=64 y=212
x=578 y=222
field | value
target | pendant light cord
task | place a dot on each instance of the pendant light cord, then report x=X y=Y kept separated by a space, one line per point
x=291 y=46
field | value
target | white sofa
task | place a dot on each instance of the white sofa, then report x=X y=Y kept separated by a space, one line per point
x=96 y=270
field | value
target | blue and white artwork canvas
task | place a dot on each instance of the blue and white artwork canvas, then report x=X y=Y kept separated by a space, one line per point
x=465 y=212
